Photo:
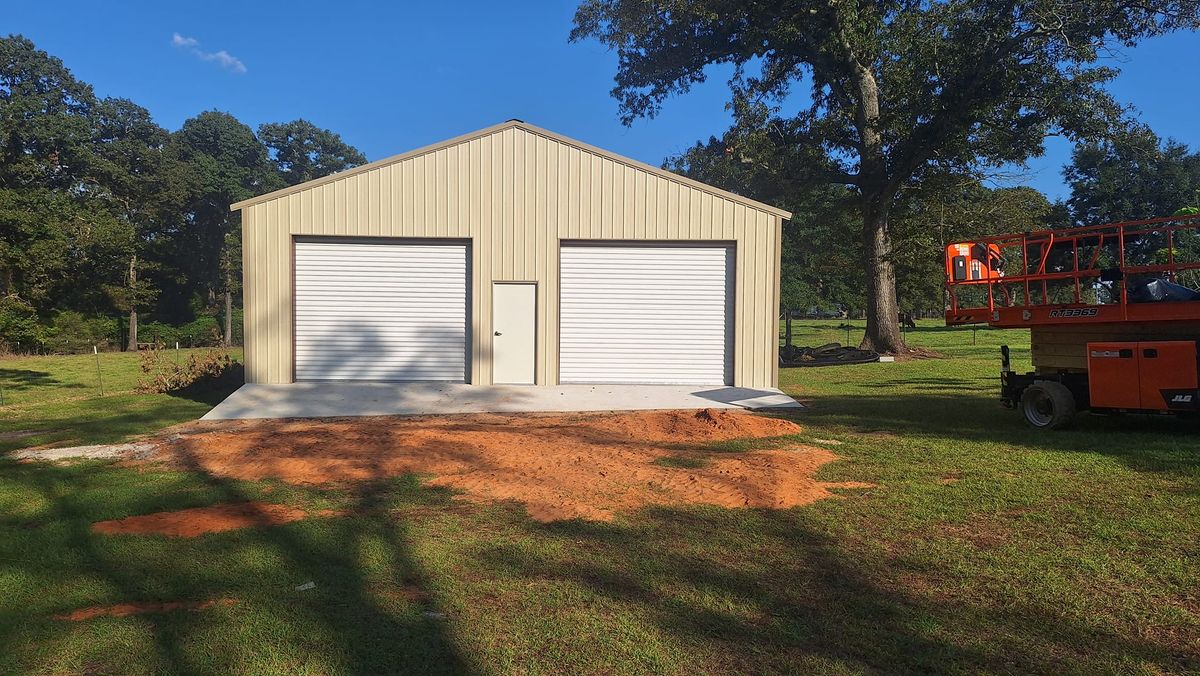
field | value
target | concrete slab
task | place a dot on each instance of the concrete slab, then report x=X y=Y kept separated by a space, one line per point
x=326 y=400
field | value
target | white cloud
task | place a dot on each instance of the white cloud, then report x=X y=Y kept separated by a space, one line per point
x=223 y=58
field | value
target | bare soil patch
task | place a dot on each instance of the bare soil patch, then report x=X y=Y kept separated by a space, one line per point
x=915 y=353
x=189 y=523
x=140 y=608
x=21 y=434
x=587 y=466
x=982 y=534
x=52 y=453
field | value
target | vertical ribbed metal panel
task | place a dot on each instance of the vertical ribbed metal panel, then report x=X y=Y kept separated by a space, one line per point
x=515 y=195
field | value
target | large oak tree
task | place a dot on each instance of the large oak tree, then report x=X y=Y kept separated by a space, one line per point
x=894 y=89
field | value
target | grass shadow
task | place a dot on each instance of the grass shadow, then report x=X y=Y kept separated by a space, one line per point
x=210 y=392
x=370 y=611
x=1141 y=442
x=798 y=601
x=28 y=379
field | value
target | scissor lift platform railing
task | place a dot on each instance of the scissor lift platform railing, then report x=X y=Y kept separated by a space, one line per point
x=1076 y=265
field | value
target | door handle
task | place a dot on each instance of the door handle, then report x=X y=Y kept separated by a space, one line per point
x=496 y=333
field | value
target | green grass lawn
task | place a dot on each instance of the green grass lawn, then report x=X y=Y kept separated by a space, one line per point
x=984 y=547
x=65 y=400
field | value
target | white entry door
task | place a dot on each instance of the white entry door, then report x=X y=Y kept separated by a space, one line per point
x=646 y=313
x=381 y=311
x=514 y=333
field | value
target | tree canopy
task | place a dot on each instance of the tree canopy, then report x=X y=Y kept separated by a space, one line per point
x=1133 y=175
x=302 y=151
x=103 y=211
x=873 y=96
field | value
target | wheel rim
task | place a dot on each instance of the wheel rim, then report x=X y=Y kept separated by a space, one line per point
x=1039 y=409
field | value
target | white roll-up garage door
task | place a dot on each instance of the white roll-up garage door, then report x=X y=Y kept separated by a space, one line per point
x=646 y=314
x=381 y=311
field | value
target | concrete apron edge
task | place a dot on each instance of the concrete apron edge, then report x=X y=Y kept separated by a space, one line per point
x=321 y=400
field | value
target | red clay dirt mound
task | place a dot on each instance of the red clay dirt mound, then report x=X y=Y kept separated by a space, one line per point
x=188 y=523
x=560 y=466
x=142 y=608
x=710 y=424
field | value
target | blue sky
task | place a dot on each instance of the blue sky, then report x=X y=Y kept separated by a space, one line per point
x=390 y=77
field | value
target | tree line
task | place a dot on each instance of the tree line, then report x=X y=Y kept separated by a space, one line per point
x=107 y=218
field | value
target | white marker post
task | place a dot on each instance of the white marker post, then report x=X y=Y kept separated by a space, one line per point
x=99 y=378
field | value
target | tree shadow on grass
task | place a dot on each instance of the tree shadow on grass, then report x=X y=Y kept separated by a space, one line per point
x=765 y=591
x=931 y=384
x=368 y=613
x=95 y=421
x=1141 y=442
x=211 y=392
x=372 y=609
x=26 y=379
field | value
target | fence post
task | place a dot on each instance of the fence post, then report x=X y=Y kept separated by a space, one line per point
x=99 y=377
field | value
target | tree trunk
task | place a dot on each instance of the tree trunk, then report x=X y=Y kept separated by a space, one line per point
x=228 y=314
x=883 y=312
x=883 y=316
x=133 y=317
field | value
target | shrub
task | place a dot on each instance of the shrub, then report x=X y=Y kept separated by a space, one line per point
x=71 y=331
x=19 y=326
x=202 y=332
x=238 y=326
x=158 y=333
x=209 y=369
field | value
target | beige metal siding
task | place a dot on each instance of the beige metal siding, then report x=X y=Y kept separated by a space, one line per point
x=515 y=193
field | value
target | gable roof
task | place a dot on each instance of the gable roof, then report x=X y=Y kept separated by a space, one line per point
x=657 y=171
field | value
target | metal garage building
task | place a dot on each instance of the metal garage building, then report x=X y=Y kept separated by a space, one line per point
x=511 y=255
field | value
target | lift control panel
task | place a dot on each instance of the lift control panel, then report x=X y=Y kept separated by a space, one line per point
x=967 y=261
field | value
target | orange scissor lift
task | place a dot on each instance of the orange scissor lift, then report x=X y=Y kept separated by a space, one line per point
x=1114 y=326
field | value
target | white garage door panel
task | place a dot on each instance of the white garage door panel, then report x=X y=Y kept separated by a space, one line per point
x=381 y=311
x=645 y=314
